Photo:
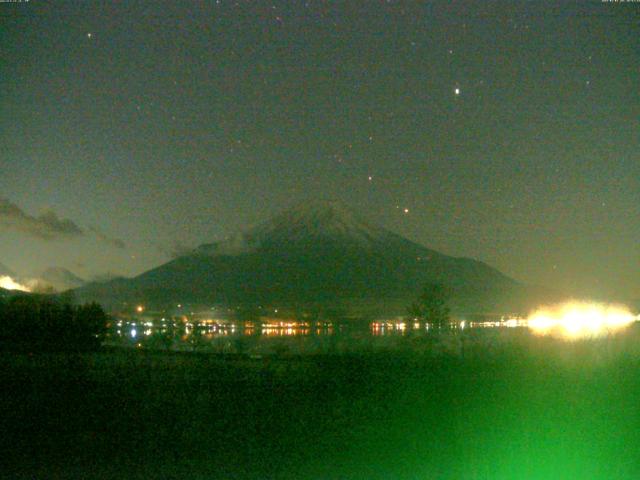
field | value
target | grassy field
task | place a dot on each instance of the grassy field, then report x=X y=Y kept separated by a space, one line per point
x=512 y=407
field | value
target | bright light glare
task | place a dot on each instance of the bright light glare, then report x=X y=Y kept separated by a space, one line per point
x=573 y=320
x=8 y=283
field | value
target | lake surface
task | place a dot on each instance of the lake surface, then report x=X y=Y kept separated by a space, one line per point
x=299 y=338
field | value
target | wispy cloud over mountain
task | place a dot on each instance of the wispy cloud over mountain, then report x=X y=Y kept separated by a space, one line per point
x=48 y=225
x=114 y=242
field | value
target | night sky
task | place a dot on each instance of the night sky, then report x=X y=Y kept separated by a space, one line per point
x=510 y=131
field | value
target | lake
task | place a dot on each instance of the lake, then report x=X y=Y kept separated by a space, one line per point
x=278 y=336
x=289 y=336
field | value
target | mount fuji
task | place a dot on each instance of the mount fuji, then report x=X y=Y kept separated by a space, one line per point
x=320 y=253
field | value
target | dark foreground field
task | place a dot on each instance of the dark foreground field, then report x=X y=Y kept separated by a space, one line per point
x=518 y=408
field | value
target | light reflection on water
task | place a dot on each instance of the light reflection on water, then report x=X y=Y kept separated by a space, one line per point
x=280 y=337
x=374 y=329
x=305 y=336
x=382 y=328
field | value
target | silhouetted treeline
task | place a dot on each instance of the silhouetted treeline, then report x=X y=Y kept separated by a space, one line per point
x=37 y=323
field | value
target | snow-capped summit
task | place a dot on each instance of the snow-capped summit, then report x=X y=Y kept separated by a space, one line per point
x=302 y=224
x=329 y=219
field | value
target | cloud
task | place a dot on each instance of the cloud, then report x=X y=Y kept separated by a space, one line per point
x=47 y=226
x=114 y=242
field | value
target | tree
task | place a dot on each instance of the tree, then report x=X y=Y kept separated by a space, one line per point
x=432 y=305
x=90 y=324
x=41 y=323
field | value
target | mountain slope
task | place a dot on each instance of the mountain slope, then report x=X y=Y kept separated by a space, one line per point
x=320 y=253
x=60 y=278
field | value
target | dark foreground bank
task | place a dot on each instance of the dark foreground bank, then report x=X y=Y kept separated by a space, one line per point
x=529 y=409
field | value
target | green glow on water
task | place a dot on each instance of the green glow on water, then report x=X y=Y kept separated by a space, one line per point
x=508 y=405
x=540 y=409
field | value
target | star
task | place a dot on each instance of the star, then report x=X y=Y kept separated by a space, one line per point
x=406 y=210
x=89 y=35
x=456 y=91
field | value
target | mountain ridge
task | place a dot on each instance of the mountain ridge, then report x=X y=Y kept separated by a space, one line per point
x=318 y=253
